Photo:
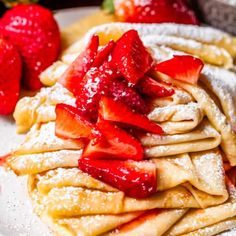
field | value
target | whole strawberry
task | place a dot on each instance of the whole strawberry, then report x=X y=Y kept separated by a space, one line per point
x=10 y=75
x=35 y=33
x=154 y=11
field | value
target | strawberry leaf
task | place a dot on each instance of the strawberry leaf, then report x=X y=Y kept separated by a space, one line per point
x=108 y=6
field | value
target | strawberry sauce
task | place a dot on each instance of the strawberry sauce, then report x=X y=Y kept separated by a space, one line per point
x=3 y=159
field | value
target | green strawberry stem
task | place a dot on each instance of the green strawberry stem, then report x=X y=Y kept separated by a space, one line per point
x=108 y=6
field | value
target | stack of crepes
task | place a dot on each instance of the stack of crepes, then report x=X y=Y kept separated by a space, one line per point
x=194 y=158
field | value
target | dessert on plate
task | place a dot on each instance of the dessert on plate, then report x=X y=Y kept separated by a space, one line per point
x=135 y=133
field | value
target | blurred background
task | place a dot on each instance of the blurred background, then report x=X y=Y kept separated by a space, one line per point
x=61 y=4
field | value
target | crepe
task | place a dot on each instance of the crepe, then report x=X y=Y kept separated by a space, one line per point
x=206 y=35
x=204 y=137
x=80 y=194
x=200 y=191
x=41 y=107
x=177 y=118
x=215 y=116
x=42 y=138
x=210 y=221
x=192 y=196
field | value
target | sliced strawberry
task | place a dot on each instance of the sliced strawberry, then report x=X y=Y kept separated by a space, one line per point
x=184 y=68
x=95 y=84
x=131 y=57
x=119 y=112
x=153 y=88
x=131 y=226
x=117 y=144
x=103 y=54
x=120 y=91
x=70 y=123
x=135 y=179
x=3 y=159
x=74 y=74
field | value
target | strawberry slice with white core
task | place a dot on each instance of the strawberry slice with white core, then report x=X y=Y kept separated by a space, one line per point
x=130 y=57
x=116 y=143
x=72 y=77
x=119 y=112
x=70 y=124
x=153 y=88
x=184 y=68
x=135 y=179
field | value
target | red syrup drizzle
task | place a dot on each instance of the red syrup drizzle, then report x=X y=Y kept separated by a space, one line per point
x=147 y=215
x=3 y=159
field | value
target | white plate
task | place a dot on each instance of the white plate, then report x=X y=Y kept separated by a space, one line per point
x=16 y=215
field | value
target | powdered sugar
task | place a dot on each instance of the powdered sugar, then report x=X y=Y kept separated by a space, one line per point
x=204 y=34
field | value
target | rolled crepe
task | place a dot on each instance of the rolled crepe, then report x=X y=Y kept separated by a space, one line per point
x=154 y=222
x=219 y=83
x=42 y=138
x=208 y=40
x=214 y=114
x=177 y=118
x=50 y=76
x=179 y=97
x=90 y=225
x=190 y=168
x=208 y=53
x=202 y=34
x=71 y=201
x=65 y=177
x=41 y=107
x=209 y=221
x=223 y=84
x=87 y=225
x=204 y=137
x=74 y=194
x=36 y=163
x=73 y=226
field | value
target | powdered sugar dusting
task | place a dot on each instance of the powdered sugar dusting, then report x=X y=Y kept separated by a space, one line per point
x=204 y=34
x=223 y=83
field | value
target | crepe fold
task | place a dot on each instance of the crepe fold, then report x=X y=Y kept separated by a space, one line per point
x=193 y=222
x=201 y=41
x=69 y=192
x=217 y=118
x=179 y=118
x=205 y=35
x=204 y=137
x=209 y=221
